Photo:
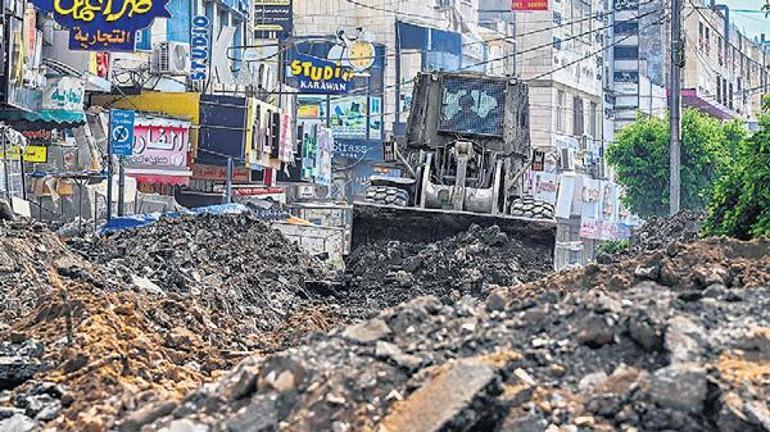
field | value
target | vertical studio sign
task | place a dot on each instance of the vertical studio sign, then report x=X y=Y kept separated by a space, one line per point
x=199 y=41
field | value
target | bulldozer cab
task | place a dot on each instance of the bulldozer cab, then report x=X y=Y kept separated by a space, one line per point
x=491 y=112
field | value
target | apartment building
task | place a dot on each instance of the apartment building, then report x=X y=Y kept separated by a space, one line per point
x=637 y=63
x=726 y=72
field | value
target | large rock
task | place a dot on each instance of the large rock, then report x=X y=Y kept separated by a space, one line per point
x=681 y=386
x=684 y=340
x=367 y=332
x=437 y=403
x=19 y=362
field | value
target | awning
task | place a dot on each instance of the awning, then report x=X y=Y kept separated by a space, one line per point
x=159 y=176
x=691 y=98
x=43 y=119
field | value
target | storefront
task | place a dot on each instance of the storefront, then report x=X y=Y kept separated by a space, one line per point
x=340 y=80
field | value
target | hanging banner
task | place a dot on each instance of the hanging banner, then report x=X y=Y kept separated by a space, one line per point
x=324 y=156
x=97 y=40
x=273 y=18
x=65 y=93
x=529 y=5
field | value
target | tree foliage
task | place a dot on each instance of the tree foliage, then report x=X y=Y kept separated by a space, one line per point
x=740 y=204
x=640 y=157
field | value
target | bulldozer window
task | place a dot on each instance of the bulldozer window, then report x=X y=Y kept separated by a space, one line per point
x=471 y=107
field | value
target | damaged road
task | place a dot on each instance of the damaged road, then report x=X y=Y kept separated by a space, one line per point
x=644 y=353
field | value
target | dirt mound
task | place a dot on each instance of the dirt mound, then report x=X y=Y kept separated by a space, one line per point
x=235 y=264
x=384 y=274
x=677 y=340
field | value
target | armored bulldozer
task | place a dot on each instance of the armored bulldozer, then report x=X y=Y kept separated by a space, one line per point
x=463 y=159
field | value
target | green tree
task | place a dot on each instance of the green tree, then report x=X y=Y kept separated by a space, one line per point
x=640 y=158
x=740 y=204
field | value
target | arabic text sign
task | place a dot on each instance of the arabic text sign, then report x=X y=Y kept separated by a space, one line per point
x=160 y=143
x=91 y=15
x=529 y=5
x=33 y=154
x=272 y=16
x=65 y=93
x=316 y=75
x=121 y=132
x=116 y=40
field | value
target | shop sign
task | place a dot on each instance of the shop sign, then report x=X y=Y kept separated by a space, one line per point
x=160 y=144
x=218 y=173
x=273 y=17
x=32 y=154
x=529 y=5
x=115 y=40
x=65 y=93
x=200 y=36
x=129 y=15
x=315 y=75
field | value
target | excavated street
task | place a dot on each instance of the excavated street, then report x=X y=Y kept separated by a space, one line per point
x=218 y=323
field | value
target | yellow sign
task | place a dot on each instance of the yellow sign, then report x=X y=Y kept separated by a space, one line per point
x=33 y=154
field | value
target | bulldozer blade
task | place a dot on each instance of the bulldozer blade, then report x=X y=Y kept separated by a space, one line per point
x=375 y=222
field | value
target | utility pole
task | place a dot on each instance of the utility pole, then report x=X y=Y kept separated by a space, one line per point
x=675 y=108
x=229 y=182
x=121 y=187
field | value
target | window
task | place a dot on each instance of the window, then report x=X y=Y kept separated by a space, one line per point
x=557 y=18
x=719 y=89
x=594 y=119
x=730 y=102
x=578 y=121
x=626 y=76
x=708 y=41
x=560 y=102
x=556 y=43
x=627 y=27
x=720 y=54
x=701 y=39
x=472 y=107
x=626 y=52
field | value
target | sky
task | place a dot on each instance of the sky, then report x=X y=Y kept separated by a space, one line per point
x=753 y=24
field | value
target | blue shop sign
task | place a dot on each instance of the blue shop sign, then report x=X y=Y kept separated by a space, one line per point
x=129 y=15
x=122 y=132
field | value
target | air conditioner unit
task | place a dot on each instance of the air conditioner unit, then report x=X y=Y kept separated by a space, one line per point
x=171 y=58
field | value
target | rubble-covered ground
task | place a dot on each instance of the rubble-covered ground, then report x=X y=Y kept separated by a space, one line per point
x=156 y=329
x=386 y=273
x=677 y=339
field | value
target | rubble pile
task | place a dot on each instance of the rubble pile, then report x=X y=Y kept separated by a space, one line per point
x=234 y=264
x=83 y=343
x=28 y=252
x=386 y=273
x=658 y=232
x=677 y=339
